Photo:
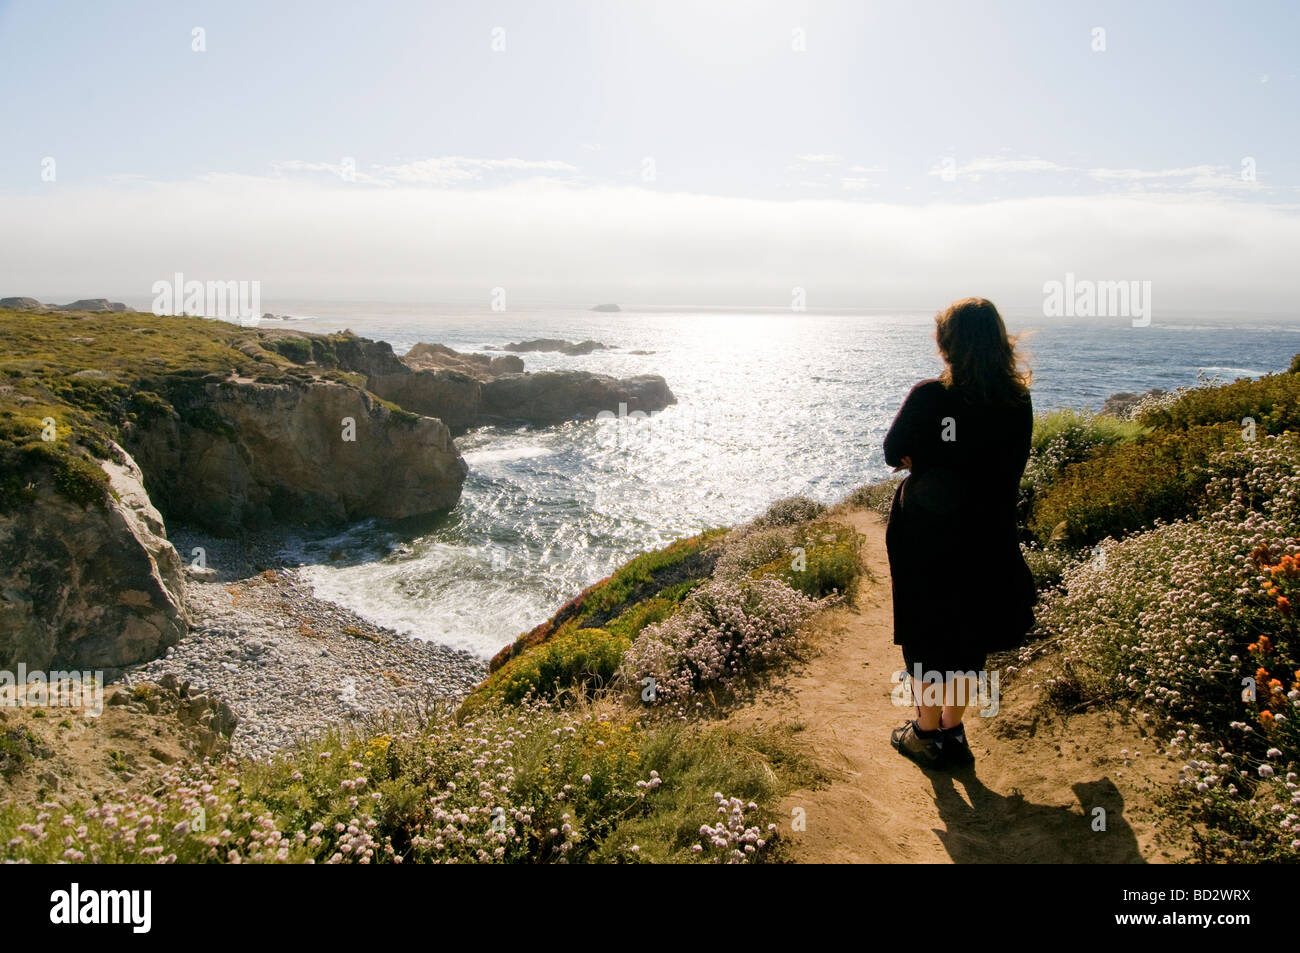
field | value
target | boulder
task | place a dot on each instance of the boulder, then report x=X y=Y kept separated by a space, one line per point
x=88 y=586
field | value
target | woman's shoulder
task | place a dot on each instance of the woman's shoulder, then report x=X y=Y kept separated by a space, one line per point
x=931 y=386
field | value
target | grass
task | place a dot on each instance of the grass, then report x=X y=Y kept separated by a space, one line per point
x=877 y=497
x=827 y=561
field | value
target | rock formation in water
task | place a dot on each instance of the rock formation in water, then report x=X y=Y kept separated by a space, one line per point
x=470 y=390
x=556 y=346
x=552 y=397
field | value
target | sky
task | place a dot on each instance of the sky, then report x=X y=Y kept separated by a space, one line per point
x=873 y=155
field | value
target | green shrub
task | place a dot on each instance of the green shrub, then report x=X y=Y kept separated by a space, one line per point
x=666 y=573
x=1081 y=428
x=1129 y=486
x=675 y=563
x=1272 y=401
x=1295 y=364
x=75 y=476
x=630 y=623
x=1065 y=437
x=817 y=558
x=297 y=350
x=577 y=661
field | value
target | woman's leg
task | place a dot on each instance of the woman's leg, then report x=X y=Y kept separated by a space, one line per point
x=957 y=694
x=928 y=715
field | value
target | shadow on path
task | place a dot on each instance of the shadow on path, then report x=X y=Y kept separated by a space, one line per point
x=986 y=827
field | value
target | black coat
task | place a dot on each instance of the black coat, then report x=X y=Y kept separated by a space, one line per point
x=960 y=583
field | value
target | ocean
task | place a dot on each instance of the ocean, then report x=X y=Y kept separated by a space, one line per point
x=768 y=405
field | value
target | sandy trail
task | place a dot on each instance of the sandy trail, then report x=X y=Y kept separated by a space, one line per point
x=1029 y=799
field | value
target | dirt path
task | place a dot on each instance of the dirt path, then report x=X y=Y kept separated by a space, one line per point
x=1030 y=797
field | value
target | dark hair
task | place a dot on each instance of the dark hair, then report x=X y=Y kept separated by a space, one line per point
x=981 y=357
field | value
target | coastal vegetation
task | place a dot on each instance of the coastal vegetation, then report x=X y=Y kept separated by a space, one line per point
x=1175 y=549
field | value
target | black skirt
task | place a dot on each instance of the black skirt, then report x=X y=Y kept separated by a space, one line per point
x=961 y=588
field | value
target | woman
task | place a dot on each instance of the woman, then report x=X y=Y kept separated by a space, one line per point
x=961 y=587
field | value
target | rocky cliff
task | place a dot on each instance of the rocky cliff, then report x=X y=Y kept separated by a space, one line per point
x=239 y=453
x=93 y=585
x=218 y=430
x=110 y=422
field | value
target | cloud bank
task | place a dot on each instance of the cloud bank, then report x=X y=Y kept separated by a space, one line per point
x=548 y=242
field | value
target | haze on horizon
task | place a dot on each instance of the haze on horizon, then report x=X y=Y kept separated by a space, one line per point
x=718 y=153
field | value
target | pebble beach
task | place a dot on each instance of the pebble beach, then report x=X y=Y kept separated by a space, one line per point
x=290 y=665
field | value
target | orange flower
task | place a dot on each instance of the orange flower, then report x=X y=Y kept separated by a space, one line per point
x=1284 y=604
x=1266 y=717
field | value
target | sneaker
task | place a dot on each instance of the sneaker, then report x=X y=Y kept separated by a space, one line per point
x=955 y=747
x=925 y=749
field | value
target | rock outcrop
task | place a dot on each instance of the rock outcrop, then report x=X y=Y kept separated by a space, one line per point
x=552 y=397
x=607 y=307
x=426 y=357
x=82 y=304
x=1122 y=404
x=21 y=304
x=471 y=390
x=237 y=453
x=556 y=346
x=453 y=397
x=208 y=721
x=88 y=586
x=90 y=304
